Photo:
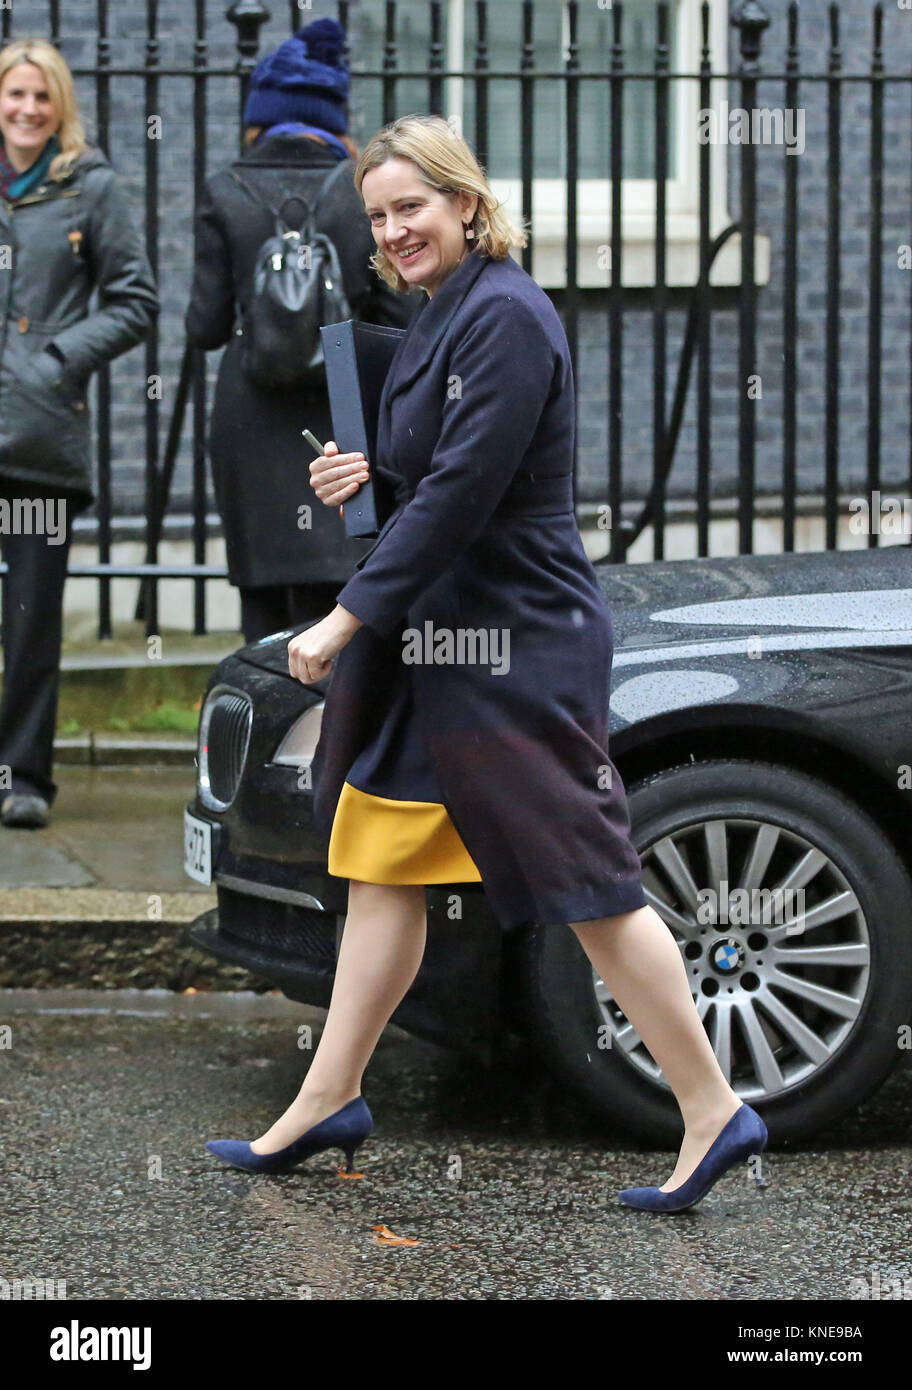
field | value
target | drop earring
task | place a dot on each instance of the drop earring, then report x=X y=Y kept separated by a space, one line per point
x=468 y=231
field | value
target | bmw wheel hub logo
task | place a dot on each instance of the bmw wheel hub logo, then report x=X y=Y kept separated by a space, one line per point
x=727 y=956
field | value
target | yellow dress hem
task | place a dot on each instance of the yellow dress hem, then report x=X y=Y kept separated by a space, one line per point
x=376 y=839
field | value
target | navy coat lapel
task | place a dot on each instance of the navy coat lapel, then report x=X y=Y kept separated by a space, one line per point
x=432 y=318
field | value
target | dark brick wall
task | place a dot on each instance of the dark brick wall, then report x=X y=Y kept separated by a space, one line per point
x=128 y=143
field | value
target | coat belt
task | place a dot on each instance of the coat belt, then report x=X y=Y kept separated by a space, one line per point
x=531 y=496
x=525 y=496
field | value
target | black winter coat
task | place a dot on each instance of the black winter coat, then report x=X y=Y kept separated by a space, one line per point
x=45 y=434
x=476 y=440
x=260 y=462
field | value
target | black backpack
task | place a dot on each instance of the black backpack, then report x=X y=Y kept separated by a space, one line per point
x=297 y=286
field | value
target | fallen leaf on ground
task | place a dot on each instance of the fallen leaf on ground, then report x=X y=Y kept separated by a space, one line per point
x=386 y=1237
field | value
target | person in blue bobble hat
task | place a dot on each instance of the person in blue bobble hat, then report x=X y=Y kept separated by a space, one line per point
x=295 y=133
x=302 y=88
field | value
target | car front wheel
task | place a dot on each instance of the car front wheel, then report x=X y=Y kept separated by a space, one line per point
x=793 y=914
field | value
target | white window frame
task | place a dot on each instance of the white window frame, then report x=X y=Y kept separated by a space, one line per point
x=549 y=202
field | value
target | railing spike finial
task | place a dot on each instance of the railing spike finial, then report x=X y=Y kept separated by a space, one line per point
x=247 y=16
x=751 y=19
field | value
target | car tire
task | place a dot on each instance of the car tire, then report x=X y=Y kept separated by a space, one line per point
x=563 y=1016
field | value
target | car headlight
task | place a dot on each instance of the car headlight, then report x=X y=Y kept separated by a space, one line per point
x=300 y=743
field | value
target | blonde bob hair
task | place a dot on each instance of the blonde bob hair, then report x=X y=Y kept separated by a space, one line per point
x=59 y=79
x=444 y=161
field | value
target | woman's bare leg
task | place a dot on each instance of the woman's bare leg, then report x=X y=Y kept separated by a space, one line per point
x=640 y=963
x=381 y=950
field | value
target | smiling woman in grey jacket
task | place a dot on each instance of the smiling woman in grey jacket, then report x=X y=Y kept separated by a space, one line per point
x=65 y=232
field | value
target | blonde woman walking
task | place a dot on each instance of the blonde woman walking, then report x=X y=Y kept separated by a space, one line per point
x=448 y=773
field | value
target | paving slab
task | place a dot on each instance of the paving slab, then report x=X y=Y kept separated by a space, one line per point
x=50 y=904
x=113 y=828
x=99 y=896
x=28 y=862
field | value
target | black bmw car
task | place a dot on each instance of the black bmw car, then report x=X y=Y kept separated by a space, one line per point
x=761 y=718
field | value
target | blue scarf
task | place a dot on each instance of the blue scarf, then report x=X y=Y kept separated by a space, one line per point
x=297 y=128
x=14 y=185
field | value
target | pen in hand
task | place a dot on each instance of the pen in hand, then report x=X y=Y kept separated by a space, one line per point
x=313 y=441
x=338 y=484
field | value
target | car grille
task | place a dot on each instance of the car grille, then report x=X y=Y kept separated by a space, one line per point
x=280 y=930
x=224 y=737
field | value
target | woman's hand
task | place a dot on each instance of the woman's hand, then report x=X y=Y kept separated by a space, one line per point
x=310 y=654
x=334 y=476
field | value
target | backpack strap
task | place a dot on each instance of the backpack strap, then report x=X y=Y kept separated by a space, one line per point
x=329 y=181
x=277 y=211
x=258 y=198
x=324 y=188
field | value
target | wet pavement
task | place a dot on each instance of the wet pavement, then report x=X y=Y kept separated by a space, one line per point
x=99 y=897
x=107 y=1099
x=111 y=829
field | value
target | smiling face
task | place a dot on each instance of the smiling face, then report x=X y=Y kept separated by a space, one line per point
x=419 y=229
x=27 y=116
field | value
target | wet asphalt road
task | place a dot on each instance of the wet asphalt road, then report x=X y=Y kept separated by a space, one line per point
x=107 y=1099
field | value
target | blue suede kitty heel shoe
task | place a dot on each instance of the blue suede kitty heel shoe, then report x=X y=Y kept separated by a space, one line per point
x=344 y=1129
x=745 y=1134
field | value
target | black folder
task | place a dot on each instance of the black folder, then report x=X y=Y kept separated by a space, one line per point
x=357 y=357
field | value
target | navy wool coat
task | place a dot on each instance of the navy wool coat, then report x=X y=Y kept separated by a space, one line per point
x=475 y=443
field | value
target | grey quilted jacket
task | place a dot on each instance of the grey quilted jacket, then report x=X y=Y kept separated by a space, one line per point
x=58 y=244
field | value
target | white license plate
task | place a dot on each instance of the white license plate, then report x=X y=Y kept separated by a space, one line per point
x=197 y=848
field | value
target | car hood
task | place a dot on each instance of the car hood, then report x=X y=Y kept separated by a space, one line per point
x=271 y=653
x=665 y=603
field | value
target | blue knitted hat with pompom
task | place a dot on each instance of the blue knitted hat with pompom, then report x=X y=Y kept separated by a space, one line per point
x=306 y=79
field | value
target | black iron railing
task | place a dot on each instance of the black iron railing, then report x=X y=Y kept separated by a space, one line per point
x=751 y=83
